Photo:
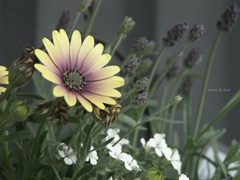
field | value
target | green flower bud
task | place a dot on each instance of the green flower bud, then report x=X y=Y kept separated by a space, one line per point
x=19 y=110
x=126 y=26
x=176 y=100
x=22 y=69
x=153 y=174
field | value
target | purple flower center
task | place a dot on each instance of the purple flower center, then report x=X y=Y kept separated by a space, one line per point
x=74 y=79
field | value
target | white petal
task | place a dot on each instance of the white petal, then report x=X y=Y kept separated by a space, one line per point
x=61 y=153
x=68 y=161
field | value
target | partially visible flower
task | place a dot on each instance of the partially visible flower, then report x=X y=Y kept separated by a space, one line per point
x=126 y=25
x=146 y=145
x=130 y=67
x=115 y=152
x=3 y=78
x=174 y=34
x=193 y=58
x=175 y=161
x=67 y=153
x=229 y=18
x=196 y=32
x=139 y=100
x=154 y=174
x=141 y=84
x=140 y=44
x=129 y=163
x=183 y=177
x=22 y=69
x=113 y=133
x=77 y=69
x=92 y=156
x=63 y=21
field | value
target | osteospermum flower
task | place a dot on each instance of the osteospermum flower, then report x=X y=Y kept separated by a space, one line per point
x=3 y=78
x=78 y=70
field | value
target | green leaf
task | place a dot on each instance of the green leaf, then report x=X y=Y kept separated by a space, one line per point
x=217 y=175
x=83 y=171
x=222 y=166
x=33 y=96
x=130 y=121
x=103 y=144
x=232 y=151
x=19 y=135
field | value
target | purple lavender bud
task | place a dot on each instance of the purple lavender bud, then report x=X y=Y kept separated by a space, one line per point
x=63 y=21
x=139 y=100
x=140 y=44
x=229 y=17
x=196 y=32
x=174 y=34
x=141 y=84
x=130 y=67
x=145 y=64
x=126 y=26
x=193 y=57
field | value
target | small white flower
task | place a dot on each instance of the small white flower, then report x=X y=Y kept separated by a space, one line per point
x=159 y=143
x=146 y=145
x=115 y=151
x=92 y=156
x=129 y=163
x=67 y=153
x=175 y=161
x=183 y=177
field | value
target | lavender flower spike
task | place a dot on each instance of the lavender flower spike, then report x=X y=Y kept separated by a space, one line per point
x=196 y=32
x=141 y=84
x=139 y=100
x=140 y=44
x=229 y=17
x=126 y=26
x=130 y=67
x=193 y=57
x=174 y=34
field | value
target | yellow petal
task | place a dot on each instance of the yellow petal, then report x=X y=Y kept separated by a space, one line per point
x=3 y=68
x=59 y=91
x=92 y=58
x=4 y=80
x=87 y=46
x=103 y=73
x=104 y=91
x=111 y=82
x=75 y=47
x=101 y=62
x=54 y=53
x=46 y=60
x=70 y=98
x=51 y=77
x=104 y=99
x=85 y=103
x=93 y=99
x=2 y=89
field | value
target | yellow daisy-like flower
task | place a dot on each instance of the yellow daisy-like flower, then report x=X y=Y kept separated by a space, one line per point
x=3 y=78
x=78 y=70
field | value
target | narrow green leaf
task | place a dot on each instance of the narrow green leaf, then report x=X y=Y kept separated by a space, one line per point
x=103 y=144
x=130 y=121
x=29 y=95
x=85 y=170
x=15 y=136
x=217 y=175
x=55 y=171
x=222 y=166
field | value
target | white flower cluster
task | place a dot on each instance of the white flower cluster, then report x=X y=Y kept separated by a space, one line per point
x=70 y=157
x=116 y=151
x=183 y=177
x=67 y=153
x=158 y=142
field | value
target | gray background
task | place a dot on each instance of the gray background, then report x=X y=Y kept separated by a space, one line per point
x=29 y=21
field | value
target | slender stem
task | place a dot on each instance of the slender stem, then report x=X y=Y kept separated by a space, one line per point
x=92 y=18
x=154 y=67
x=205 y=83
x=74 y=23
x=6 y=93
x=120 y=38
x=163 y=73
x=125 y=109
x=144 y=121
x=126 y=95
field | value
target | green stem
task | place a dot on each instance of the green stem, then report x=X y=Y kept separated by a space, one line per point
x=74 y=23
x=125 y=109
x=120 y=38
x=144 y=121
x=154 y=67
x=6 y=93
x=163 y=73
x=129 y=56
x=126 y=95
x=92 y=18
x=205 y=83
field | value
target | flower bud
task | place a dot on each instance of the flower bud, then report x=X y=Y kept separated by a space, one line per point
x=193 y=58
x=145 y=65
x=140 y=44
x=153 y=174
x=139 y=100
x=141 y=84
x=84 y=5
x=22 y=69
x=196 y=32
x=130 y=67
x=174 y=34
x=229 y=18
x=176 y=100
x=63 y=21
x=20 y=110
x=126 y=26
